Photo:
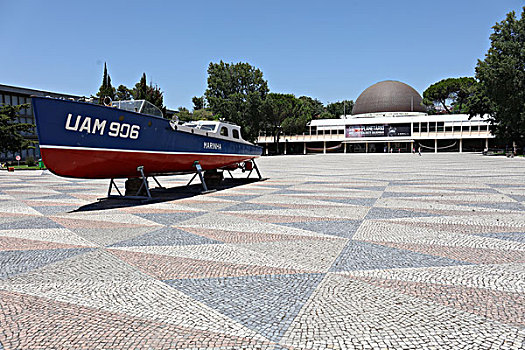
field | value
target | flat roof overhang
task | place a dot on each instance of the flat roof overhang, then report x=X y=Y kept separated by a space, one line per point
x=378 y=140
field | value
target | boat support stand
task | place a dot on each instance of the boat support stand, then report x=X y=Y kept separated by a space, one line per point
x=256 y=169
x=198 y=169
x=144 y=184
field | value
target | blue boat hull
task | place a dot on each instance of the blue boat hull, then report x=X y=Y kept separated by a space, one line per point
x=84 y=140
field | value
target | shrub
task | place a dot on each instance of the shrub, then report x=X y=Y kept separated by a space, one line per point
x=30 y=161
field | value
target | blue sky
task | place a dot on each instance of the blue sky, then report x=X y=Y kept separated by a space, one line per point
x=330 y=50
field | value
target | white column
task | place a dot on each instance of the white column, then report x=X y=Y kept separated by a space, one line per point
x=487 y=143
x=304 y=150
x=285 y=143
x=344 y=145
x=460 y=145
x=435 y=146
x=324 y=147
x=366 y=147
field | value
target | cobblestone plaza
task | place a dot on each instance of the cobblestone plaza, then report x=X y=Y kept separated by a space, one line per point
x=331 y=252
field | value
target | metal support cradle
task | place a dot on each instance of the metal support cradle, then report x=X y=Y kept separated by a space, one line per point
x=143 y=185
x=256 y=169
x=198 y=169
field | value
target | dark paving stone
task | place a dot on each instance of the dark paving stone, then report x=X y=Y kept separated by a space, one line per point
x=57 y=196
x=266 y=304
x=517 y=197
x=14 y=262
x=366 y=188
x=250 y=206
x=340 y=228
x=497 y=205
x=169 y=218
x=475 y=190
x=367 y=202
x=50 y=210
x=387 y=213
x=367 y=256
x=387 y=194
x=294 y=192
x=166 y=236
x=239 y=198
x=40 y=222
x=508 y=236
x=274 y=186
x=505 y=185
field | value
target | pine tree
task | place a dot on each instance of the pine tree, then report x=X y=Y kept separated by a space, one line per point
x=140 y=92
x=106 y=89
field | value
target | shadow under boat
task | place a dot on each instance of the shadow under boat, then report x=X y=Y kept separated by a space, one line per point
x=160 y=194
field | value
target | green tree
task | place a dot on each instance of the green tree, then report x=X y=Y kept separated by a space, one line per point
x=11 y=139
x=123 y=93
x=501 y=76
x=312 y=106
x=198 y=102
x=337 y=109
x=106 y=89
x=277 y=108
x=140 y=91
x=199 y=114
x=151 y=93
x=236 y=93
x=455 y=90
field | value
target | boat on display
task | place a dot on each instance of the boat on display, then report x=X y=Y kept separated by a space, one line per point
x=130 y=139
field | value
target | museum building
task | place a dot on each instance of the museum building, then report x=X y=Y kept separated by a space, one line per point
x=388 y=116
x=12 y=95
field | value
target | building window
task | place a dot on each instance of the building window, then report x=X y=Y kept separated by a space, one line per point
x=465 y=128
x=416 y=127
x=424 y=127
x=457 y=128
x=448 y=128
x=440 y=126
x=432 y=127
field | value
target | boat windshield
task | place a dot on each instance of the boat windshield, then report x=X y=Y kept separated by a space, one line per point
x=210 y=127
x=139 y=106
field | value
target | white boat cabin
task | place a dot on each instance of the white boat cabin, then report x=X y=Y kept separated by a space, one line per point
x=213 y=128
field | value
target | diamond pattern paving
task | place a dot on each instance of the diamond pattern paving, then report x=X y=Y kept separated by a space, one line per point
x=267 y=304
x=338 y=251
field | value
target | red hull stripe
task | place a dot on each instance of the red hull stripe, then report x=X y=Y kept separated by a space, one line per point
x=99 y=163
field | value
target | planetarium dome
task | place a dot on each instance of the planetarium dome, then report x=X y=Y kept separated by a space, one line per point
x=389 y=96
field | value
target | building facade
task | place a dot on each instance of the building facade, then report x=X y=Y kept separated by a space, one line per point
x=388 y=117
x=12 y=95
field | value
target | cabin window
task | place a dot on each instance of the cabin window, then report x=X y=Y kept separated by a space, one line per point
x=209 y=127
x=457 y=127
x=235 y=133
x=224 y=131
x=440 y=126
x=416 y=127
